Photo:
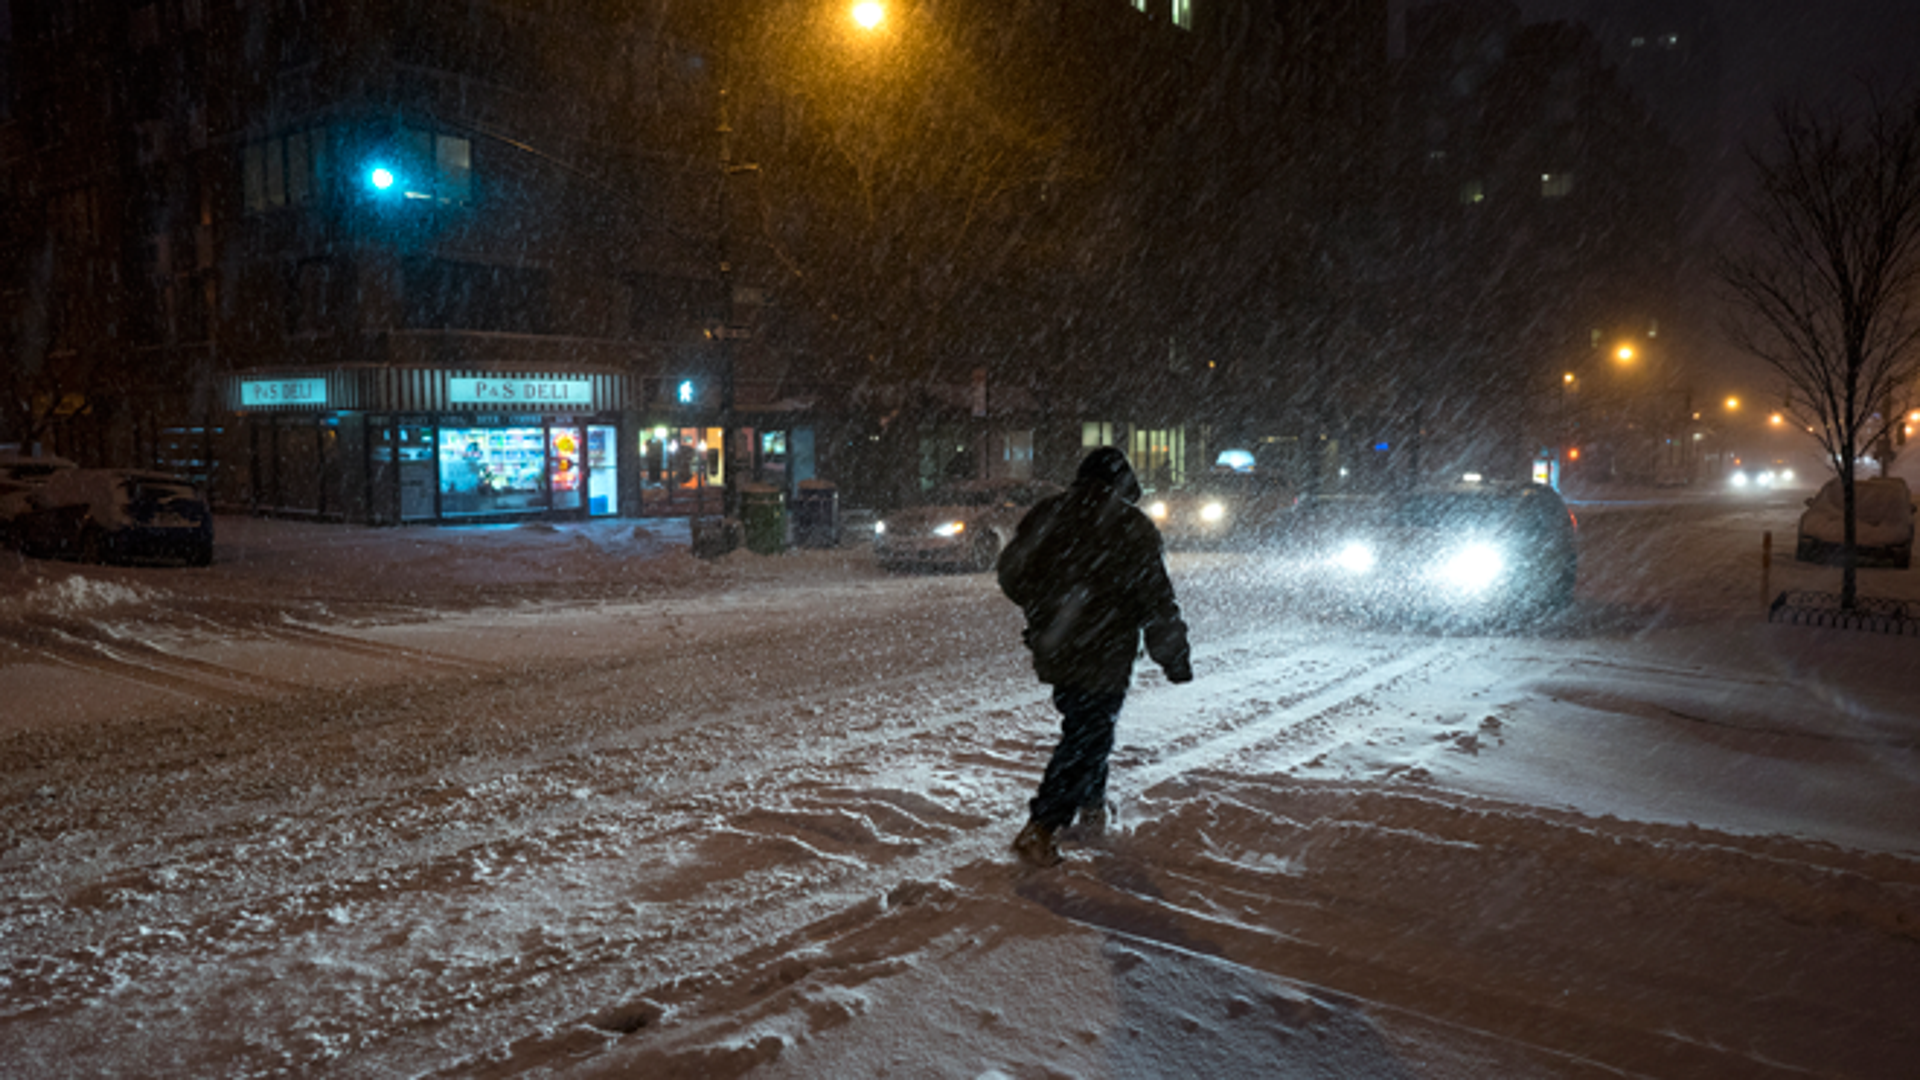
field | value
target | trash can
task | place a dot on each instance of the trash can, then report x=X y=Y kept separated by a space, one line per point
x=816 y=515
x=763 y=508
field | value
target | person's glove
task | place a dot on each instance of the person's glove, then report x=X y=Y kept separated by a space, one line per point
x=1180 y=673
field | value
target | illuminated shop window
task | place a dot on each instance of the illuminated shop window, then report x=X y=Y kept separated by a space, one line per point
x=492 y=470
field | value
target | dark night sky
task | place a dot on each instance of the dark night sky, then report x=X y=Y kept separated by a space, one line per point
x=1816 y=51
x=1810 y=49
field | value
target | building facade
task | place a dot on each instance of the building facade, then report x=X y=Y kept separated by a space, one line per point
x=441 y=260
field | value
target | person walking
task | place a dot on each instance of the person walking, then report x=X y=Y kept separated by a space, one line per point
x=1088 y=571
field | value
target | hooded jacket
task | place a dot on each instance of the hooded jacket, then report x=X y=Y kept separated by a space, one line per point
x=1088 y=570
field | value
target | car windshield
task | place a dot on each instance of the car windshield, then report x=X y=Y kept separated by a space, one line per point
x=147 y=495
x=1450 y=510
x=1237 y=483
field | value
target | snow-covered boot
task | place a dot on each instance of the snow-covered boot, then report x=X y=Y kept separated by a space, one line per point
x=1036 y=846
x=1092 y=822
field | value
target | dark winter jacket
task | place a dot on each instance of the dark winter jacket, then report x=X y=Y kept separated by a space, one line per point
x=1088 y=571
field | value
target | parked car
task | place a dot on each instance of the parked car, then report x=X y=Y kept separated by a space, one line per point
x=1473 y=550
x=1883 y=524
x=20 y=476
x=961 y=526
x=119 y=515
x=1226 y=507
x=32 y=469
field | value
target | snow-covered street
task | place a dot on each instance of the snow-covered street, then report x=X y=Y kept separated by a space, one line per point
x=565 y=800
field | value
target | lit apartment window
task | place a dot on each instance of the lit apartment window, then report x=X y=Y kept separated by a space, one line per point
x=1473 y=192
x=1556 y=185
x=1140 y=6
x=1183 y=14
x=288 y=170
x=434 y=167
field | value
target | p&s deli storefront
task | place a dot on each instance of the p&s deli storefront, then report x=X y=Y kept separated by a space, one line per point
x=390 y=445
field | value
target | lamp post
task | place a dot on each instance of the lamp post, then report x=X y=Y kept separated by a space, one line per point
x=726 y=333
x=869 y=16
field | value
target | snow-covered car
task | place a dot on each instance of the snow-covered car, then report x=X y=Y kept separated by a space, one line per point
x=20 y=476
x=32 y=469
x=118 y=515
x=1883 y=524
x=1472 y=550
x=961 y=526
x=1227 y=507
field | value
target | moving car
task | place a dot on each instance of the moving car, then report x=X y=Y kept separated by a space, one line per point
x=120 y=515
x=961 y=526
x=1883 y=524
x=1775 y=475
x=1473 y=550
x=1227 y=507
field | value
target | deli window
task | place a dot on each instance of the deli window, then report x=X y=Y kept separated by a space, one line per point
x=492 y=470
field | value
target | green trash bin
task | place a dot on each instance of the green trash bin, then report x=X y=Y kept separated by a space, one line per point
x=763 y=510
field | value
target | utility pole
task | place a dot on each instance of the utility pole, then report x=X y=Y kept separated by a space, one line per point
x=726 y=334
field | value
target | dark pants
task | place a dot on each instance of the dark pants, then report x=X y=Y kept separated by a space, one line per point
x=1077 y=775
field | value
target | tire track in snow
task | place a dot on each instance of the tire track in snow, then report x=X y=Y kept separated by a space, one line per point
x=1291 y=717
x=199 y=681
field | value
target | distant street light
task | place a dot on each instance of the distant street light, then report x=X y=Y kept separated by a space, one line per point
x=1624 y=354
x=869 y=14
x=1733 y=404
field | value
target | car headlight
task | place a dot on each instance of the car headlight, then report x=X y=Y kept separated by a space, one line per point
x=1738 y=479
x=1355 y=557
x=1157 y=510
x=879 y=528
x=950 y=528
x=1213 y=511
x=1473 y=568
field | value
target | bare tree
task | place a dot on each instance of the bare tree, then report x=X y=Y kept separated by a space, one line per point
x=1826 y=286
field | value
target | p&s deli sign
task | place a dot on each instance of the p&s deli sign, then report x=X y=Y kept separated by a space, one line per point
x=568 y=393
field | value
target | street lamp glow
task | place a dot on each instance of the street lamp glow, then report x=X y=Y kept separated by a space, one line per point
x=869 y=14
x=1733 y=403
x=381 y=177
x=1567 y=378
x=1776 y=419
x=1624 y=354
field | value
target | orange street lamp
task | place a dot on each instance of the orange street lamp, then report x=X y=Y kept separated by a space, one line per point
x=1733 y=403
x=869 y=14
x=1624 y=354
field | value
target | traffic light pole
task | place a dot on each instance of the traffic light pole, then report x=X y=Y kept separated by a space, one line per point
x=726 y=335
